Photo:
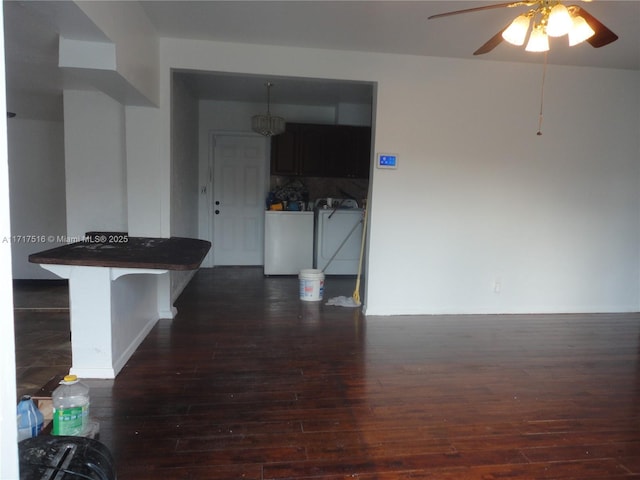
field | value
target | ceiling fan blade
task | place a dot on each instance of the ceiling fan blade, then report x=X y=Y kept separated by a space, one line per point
x=485 y=7
x=492 y=43
x=603 y=35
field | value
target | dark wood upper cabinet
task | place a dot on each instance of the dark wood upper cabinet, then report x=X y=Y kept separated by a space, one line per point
x=322 y=151
x=284 y=157
x=313 y=147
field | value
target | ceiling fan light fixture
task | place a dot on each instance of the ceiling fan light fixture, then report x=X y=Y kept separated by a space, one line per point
x=517 y=31
x=560 y=21
x=548 y=17
x=580 y=31
x=268 y=125
x=538 y=41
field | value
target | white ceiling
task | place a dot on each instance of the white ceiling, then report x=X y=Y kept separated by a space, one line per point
x=400 y=27
x=389 y=26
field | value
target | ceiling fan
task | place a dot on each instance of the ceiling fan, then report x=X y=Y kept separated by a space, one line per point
x=545 y=18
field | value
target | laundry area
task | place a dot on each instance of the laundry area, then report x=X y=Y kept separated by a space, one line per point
x=319 y=184
x=317 y=199
x=325 y=235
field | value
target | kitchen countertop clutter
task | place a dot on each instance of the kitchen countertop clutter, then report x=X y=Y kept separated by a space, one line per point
x=294 y=196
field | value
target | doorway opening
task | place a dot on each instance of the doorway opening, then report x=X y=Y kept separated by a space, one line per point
x=226 y=104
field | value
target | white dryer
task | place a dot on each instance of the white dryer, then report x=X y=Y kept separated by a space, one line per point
x=334 y=228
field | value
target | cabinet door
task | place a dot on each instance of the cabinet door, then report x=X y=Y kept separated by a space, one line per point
x=313 y=150
x=284 y=155
x=361 y=152
x=322 y=151
x=354 y=144
x=336 y=148
x=340 y=152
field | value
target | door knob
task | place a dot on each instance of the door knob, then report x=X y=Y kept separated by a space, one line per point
x=217 y=212
x=217 y=202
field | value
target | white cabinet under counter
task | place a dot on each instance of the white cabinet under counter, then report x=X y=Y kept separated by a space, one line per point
x=288 y=242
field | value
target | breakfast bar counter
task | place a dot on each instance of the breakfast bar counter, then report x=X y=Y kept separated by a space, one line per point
x=120 y=250
x=119 y=286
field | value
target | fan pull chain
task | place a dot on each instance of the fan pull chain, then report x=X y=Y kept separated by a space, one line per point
x=544 y=75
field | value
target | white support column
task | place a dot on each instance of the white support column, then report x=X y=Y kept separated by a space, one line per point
x=90 y=311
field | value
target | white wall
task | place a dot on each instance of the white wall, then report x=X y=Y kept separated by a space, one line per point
x=479 y=202
x=184 y=162
x=184 y=173
x=96 y=183
x=236 y=116
x=353 y=114
x=134 y=305
x=495 y=218
x=8 y=428
x=144 y=173
x=134 y=39
x=37 y=173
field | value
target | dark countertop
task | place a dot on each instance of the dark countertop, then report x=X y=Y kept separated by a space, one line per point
x=110 y=249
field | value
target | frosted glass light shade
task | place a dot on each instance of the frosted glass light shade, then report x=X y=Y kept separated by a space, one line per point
x=517 y=31
x=580 y=31
x=559 y=21
x=538 y=41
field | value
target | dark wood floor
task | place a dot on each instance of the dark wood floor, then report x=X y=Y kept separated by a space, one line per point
x=249 y=382
x=43 y=344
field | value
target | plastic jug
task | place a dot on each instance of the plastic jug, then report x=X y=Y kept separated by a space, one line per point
x=30 y=419
x=70 y=407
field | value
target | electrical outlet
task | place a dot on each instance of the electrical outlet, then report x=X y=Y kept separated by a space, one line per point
x=497 y=286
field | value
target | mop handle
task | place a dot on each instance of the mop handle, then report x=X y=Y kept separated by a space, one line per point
x=356 y=291
x=364 y=233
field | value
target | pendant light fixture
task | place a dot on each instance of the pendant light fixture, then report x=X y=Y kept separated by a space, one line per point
x=268 y=125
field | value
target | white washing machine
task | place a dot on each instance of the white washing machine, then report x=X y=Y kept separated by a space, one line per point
x=288 y=242
x=333 y=228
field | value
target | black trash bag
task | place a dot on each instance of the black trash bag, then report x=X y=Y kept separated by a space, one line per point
x=65 y=458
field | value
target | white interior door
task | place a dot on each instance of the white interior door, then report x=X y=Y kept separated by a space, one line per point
x=239 y=190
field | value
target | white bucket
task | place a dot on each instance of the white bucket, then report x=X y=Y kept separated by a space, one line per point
x=311 y=285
